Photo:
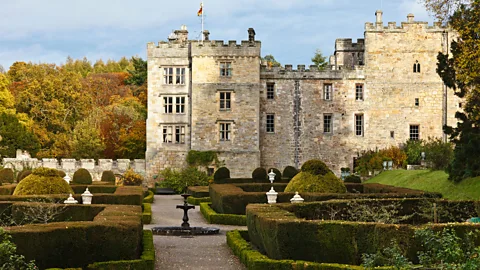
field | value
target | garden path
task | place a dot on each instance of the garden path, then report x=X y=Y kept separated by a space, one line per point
x=198 y=252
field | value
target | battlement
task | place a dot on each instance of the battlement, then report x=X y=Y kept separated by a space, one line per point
x=311 y=73
x=405 y=26
x=229 y=48
x=346 y=44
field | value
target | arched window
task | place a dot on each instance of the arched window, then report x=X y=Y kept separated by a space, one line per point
x=416 y=67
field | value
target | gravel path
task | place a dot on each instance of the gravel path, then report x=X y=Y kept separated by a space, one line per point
x=197 y=252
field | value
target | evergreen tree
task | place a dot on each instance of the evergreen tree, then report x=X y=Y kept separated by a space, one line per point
x=319 y=60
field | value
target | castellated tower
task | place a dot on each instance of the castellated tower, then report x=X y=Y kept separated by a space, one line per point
x=203 y=95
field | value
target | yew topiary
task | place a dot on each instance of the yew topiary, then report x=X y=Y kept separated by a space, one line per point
x=353 y=179
x=43 y=181
x=108 y=176
x=259 y=174
x=6 y=175
x=221 y=173
x=308 y=182
x=82 y=176
x=315 y=166
x=289 y=172
x=23 y=174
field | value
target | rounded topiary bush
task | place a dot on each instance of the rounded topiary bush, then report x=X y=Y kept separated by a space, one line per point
x=289 y=172
x=62 y=173
x=315 y=166
x=278 y=174
x=307 y=182
x=21 y=175
x=82 y=176
x=260 y=175
x=43 y=181
x=6 y=175
x=131 y=178
x=221 y=174
x=353 y=179
x=108 y=176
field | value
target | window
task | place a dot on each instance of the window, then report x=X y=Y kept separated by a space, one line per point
x=225 y=131
x=327 y=92
x=168 y=75
x=359 y=91
x=180 y=104
x=270 y=123
x=327 y=123
x=359 y=124
x=270 y=90
x=460 y=105
x=392 y=134
x=417 y=102
x=225 y=101
x=168 y=104
x=414 y=132
x=416 y=67
x=226 y=69
x=174 y=134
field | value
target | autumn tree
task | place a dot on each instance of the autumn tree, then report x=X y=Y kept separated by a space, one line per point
x=7 y=102
x=138 y=79
x=461 y=72
x=319 y=60
x=87 y=142
x=443 y=9
x=271 y=62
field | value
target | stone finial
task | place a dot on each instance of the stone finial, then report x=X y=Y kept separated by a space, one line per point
x=87 y=197
x=297 y=198
x=70 y=200
x=379 y=14
x=251 y=35
x=410 y=17
x=206 y=35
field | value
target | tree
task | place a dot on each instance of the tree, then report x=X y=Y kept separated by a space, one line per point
x=7 y=102
x=461 y=72
x=138 y=75
x=271 y=62
x=443 y=9
x=15 y=136
x=87 y=142
x=319 y=60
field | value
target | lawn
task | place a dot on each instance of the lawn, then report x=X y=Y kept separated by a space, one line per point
x=434 y=181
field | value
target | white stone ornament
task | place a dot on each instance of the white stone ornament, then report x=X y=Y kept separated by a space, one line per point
x=272 y=196
x=296 y=198
x=67 y=178
x=70 y=200
x=87 y=197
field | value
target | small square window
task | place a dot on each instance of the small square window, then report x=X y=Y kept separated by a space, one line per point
x=359 y=91
x=225 y=131
x=225 y=101
x=225 y=69
x=270 y=125
x=327 y=123
x=270 y=90
x=392 y=134
x=417 y=102
x=414 y=132
x=327 y=92
x=168 y=104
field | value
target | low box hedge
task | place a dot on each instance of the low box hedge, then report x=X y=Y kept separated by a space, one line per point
x=198 y=191
x=147 y=213
x=254 y=260
x=213 y=217
x=79 y=189
x=233 y=199
x=149 y=197
x=282 y=235
x=77 y=244
x=7 y=189
x=197 y=201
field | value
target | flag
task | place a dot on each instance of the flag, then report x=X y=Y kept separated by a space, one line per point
x=200 y=11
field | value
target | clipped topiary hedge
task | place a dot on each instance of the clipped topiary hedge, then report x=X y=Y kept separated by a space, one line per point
x=259 y=175
x=108 y=176
x=221 y=174
x=353 y=179
x=198 y=191
x=6 y=175
x=316 y=167
x=308 y=182
x=289 y=172
x=149 y=197
x=197 y=201
x=43 y=181
x=21 y=175
x=147 y=213
x=82 y=176
x=213 y=217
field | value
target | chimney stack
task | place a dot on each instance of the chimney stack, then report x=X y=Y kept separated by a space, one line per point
x=379 y=14
x=251 y=35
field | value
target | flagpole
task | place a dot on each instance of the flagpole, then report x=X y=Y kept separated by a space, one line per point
x=202 y=24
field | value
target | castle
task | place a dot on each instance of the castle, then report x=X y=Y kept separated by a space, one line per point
x=377 y=92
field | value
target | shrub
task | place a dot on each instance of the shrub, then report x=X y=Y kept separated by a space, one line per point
x=23 y=174
x=259 y=174
x=6 y=175
x=308 y=182
x=396 y=155
x=62 y=173
x=413 y=149
x=438 y=154
x=316 y=167
x=180 y=180
x=353 y=179
x=289 y=172
x=9 y=259
x=82 y=176
x=108 y=176
x=43 y=181
x=221 y=173
x=131 y=178
x=278 y=174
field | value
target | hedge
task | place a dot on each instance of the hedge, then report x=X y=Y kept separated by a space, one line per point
x=282 y=235
x=147 y=213
x=233 y=199
x=7 y=189
x=77 y=244
x=213 y=217
x=197 y=201
x=198 y=191
x=79 y=189
x=254 y=260
x=149 y=197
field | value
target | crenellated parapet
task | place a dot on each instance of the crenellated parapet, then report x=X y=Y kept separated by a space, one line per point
x=220 y=48
x=287 y=72
x=346 y=44
x=392 y=27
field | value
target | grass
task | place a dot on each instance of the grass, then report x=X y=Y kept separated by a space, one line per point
x=434 y=181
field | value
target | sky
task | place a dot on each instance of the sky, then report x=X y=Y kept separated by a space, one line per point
x=49 y=31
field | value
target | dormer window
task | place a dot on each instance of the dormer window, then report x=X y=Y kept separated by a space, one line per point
x=416 y=67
